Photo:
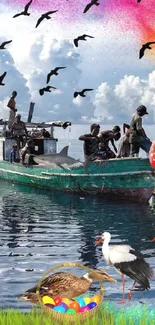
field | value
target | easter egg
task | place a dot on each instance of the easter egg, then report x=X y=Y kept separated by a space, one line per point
x=66 y=301
x=81 y=302
x=84 y=309
x=86 y=300
x=96 y=299
x=91 y=305
x=59 y=309
x=49 y=306
x=64 y=305
x=57 y=300
x=70 y=311
x=48 y=300
x=75 y=305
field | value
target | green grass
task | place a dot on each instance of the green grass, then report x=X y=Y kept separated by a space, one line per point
x=137 y=315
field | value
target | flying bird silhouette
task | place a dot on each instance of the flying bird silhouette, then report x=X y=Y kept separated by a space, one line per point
x=1 y=78
x=81 y=93
x=47 y=89
x=144 y=47
x=89 y=5
x=25 y=12
x=81 y=38
x=45 y=16
x=2 y=46
x=55 y=72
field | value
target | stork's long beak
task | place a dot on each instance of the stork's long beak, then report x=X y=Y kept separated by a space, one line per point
x=153 y=239
x=99 y=241
x=111 y=279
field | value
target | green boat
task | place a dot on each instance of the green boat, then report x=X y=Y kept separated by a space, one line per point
x=131 y=179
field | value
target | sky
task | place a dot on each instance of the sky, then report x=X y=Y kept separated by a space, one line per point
x=108 y=63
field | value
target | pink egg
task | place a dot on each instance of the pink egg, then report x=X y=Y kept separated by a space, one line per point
x=84 y=309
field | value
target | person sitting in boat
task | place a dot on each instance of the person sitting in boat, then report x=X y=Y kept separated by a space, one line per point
x=19 y=131
x=14 y=154
x=138 y=138
x=124 y=145
x=12 y=105
x=91 y=142
x=27 y=149
x=105 y=137
x=45 y=133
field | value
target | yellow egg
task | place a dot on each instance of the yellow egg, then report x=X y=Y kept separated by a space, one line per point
x=66 y=301
x=87 y=300
x=48 y=300
x=96 y=299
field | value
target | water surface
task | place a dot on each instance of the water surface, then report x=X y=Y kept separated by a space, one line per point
x=41 y=229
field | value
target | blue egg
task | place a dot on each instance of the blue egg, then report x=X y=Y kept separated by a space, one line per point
x=81 y=302
x=59 y=309
x=91 y=305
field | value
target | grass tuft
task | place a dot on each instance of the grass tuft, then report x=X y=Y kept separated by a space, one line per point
x=107 y=316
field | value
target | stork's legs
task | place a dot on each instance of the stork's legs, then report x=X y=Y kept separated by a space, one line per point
x=130 y=292
x=123 y=285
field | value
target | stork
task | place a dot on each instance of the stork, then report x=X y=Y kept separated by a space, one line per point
x=128 y=261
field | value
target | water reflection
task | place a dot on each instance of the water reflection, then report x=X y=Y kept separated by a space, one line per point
x=42 y=229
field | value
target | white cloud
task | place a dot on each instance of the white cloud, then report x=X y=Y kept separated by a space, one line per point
x=14 y=80
x=117 y=104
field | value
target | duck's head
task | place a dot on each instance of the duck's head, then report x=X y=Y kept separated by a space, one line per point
x=98 y=275
x=105 y=236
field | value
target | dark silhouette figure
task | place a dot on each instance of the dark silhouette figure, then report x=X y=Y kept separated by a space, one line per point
x=138 y=1
x=53 y=72
x=89 y=5
x=1 y=78
x=2 y=46
x=144 y=47
x=25 y=12
x=81 y=93
x=81 y=38
x=47 y=89
x=45 y=16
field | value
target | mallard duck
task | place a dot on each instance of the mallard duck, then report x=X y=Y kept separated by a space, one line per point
x=65 y=285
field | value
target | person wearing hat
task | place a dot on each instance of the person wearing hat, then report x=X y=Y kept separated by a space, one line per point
x=112 y=136
x=138 y=138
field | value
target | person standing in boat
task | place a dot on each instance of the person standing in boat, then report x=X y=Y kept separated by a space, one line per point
x=91 y=142
x=19 y=131
x=124 y=145
x=12 y=105
x=138 y=138
x=105 y=137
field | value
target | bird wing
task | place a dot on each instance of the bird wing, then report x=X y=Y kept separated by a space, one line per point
x=123 y=253
x=141 y=52
x=17 y=15
x=76 y=94
x=87 y=8
x=7 y=42
x=58 y=68
x=149 y=43
x=3 y=75
x=83 y=91
x=39 y=21
x=51 y=12
x=88 y=36
x=48 y=77
x=76 y=42
x=28 y=5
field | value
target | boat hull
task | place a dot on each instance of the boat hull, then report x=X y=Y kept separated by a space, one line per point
x=110 y=181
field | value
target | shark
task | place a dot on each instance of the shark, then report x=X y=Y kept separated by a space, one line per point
x=60 y=159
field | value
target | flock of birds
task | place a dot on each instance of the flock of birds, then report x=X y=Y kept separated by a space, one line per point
x=76 y=43
x=125 y=259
